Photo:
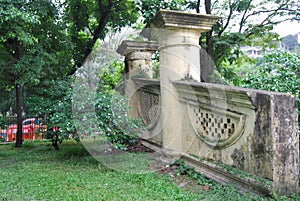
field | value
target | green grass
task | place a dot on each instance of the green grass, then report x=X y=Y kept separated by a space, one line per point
x=37 y=172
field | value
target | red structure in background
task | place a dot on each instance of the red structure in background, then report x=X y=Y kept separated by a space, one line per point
x=31 y=130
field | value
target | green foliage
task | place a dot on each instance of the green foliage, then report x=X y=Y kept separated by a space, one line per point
x=53 y=101
x=150 y=8
x=184 y=169
x=98 y=108
x=72 y=174
x=33 y=46
x=32 y=42
x=114 y=121
x=91 y=20
x=1 y=121
x=231 y=71
x=15 y=19
x=111 y=76
x=244 y=22
x=277 y=71
x=112 y=108
x=217 y=191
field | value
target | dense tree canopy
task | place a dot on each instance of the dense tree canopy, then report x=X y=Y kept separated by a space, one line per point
x=33 y=47
x=88 y=21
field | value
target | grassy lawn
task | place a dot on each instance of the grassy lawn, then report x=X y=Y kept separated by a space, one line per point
x=37 y=172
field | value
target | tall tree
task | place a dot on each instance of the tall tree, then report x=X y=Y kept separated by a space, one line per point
x=249 y=19
x=33 y=47
x=90 y=20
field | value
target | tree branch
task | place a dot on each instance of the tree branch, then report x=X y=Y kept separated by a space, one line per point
x=264 y=24
x=243 y=17
x=228 y=19
x=280 y=8
x=208 y=6
x=96 y=33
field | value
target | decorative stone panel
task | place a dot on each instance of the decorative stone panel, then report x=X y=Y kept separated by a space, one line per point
x=148 y=105
x=252 y=130
x=149 y=108
x=217 y=127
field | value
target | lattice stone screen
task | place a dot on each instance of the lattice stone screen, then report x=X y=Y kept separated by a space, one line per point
x=149 y=106
x=217 y=127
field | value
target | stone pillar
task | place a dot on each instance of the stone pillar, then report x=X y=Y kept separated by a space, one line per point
x=138 y=63
x=284 y=129
x=178 y=36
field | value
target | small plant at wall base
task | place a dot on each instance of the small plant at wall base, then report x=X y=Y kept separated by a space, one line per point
x=217 y=191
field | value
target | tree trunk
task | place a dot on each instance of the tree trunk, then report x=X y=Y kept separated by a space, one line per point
x=19 y=89
x=208 y=34
x=55 y=142
x=198 y=6
x=209 y=43
x=55 y=145
x=208 y=66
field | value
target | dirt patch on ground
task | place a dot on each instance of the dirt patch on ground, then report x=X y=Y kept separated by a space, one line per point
x=159 y=165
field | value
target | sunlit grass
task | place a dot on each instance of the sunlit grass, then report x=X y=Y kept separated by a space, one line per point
x=36 y=172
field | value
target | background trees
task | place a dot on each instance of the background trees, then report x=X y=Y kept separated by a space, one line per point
x=33 y=47
x=89 y=21
x=42 y=43
x=244 y=22
x=276 y=71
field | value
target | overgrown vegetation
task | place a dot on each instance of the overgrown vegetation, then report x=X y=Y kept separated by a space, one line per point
x=277 y=71
x=114 y=121
x=216 y=191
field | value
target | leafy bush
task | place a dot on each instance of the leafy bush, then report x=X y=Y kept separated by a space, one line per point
x=111 y=75
x=114 y=121
x=53 y=100
x=57 y=101
x=278 y=71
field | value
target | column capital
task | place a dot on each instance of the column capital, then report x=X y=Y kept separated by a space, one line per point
x=128 y=46
x=170 y=19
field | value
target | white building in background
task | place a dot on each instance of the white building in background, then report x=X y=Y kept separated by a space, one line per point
x=253 y=51
x=289 y=43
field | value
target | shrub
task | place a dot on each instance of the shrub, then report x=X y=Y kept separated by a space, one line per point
x=114 y=121
x=277 y=71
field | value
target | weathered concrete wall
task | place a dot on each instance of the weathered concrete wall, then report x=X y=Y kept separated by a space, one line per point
x=285 y=143
x=177 y=34
x=138 y=63
x=252 y=130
